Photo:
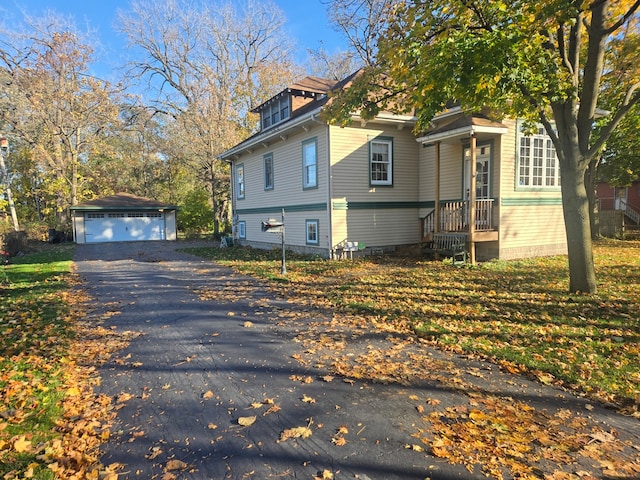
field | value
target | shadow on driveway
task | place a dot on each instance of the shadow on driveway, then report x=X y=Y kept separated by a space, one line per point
x=199 y=366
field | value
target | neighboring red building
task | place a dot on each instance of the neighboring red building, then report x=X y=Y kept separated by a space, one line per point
x=619 y=208
x=615 y=198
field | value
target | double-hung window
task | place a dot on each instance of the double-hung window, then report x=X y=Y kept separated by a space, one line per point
x=312 y=232
x=310 y=164
x=381 y=161
x=240 y=181
x=268 y=171
x=242 y=229
x=537 y=162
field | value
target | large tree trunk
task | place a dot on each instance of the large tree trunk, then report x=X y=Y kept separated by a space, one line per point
x=575 y=206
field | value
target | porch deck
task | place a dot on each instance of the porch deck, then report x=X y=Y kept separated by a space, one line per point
x=454 y=217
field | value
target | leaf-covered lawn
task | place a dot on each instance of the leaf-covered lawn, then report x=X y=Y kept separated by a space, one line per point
x=517 y=313
x=51 y=423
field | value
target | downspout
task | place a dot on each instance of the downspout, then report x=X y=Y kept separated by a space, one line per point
x=329 y=186
x=233 y=197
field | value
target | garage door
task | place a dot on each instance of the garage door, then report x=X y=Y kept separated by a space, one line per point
x=123 y=226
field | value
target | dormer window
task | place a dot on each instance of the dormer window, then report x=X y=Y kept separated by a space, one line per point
x=275 y=111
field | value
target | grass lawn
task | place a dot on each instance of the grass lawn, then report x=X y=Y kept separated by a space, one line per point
x=46 y=400
x=517 y=313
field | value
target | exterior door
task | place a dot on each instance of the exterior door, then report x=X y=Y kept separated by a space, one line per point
x=483 y=178
x=621 y=198
x=482 y=185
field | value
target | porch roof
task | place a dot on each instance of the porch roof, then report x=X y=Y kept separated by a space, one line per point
x=463 y=127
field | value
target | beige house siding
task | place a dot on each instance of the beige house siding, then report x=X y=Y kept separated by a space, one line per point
x=531 y=220
x=348 y=208
x=300 y=204
x=378 y=216
x=531 y=230
x=451 y=175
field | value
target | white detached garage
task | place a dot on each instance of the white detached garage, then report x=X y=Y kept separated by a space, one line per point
x=123 y=218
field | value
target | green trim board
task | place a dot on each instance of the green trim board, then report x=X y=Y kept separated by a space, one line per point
x=341 y=205
x=530 y=202
x=381 y=205
x=310 y=207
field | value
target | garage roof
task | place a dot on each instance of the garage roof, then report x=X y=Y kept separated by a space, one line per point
x=123 y=201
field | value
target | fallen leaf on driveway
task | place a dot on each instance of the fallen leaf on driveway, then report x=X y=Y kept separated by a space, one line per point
x=246 y=421
x=339 y=441
x=155 y=451
x=124 y=397
x=297 y=432
x=173 y=465
x=272 y=409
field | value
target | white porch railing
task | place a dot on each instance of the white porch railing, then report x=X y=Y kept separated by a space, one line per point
x=630 y=211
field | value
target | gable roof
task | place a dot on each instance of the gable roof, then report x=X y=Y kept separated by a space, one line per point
x=123 y=201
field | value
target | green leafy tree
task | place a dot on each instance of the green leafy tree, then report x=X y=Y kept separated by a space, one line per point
x=544 y=61
x=621 y=157
x=195 y=214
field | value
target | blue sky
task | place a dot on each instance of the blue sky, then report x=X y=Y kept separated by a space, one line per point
x=306 y=21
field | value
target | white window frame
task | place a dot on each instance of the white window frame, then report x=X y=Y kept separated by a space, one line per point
x=240 y=181
x=381 y=162
x=268 y=171
x=314 y=225
x=309 y=165
x=538 y=167
x=242 y=229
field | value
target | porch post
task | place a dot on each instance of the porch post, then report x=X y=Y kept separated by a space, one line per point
x=472 y=203
x=436 y=216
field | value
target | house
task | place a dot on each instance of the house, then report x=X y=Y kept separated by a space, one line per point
x=626 y=199
x=374 y=185
x=123 y=218
x=618 y=207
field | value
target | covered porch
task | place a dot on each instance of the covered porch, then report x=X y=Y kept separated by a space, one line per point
x=454 y=217
x=475 y=213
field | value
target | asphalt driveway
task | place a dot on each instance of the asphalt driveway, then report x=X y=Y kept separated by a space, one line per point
x=212 y=387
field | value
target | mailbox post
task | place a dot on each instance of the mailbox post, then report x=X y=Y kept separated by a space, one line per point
x=273 y=226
